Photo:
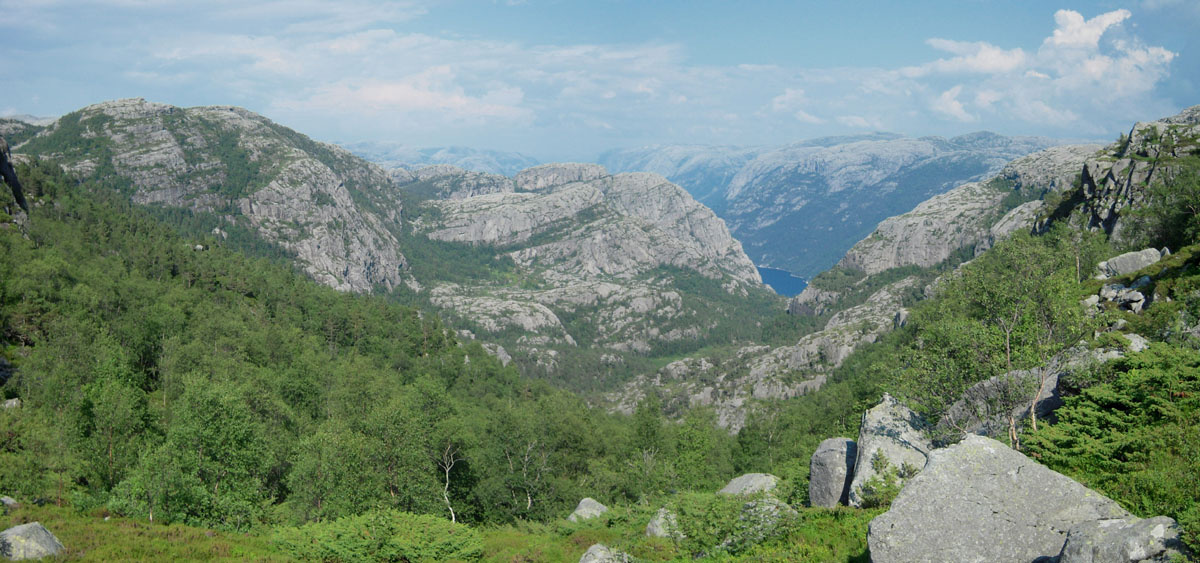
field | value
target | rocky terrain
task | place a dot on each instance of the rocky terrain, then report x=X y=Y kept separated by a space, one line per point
x=397 y=155
x=601 y=251
x=566 y=258
x=251 y=173
x=796 y=207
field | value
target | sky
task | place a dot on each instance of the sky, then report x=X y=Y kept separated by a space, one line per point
x=567 y=79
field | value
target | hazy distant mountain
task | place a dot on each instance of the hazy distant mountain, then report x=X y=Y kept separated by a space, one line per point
x=801 y=206
x=396 y=155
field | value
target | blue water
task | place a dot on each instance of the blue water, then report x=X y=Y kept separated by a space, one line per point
x=782 y=281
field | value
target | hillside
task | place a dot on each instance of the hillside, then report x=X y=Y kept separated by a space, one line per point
x=603 y=274
x=795 y=207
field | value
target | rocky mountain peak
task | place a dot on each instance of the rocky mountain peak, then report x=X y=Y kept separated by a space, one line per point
x=551 y=175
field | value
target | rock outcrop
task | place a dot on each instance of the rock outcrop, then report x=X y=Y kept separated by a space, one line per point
x=587 y=508
x=749 y=484
x=830 y=471
x=29 y=541
x=1129 y=262
x=600 y=553
x=979 y=500
x=1123 y=541
x=968 y=216
x=664 y=524
x=893 y=430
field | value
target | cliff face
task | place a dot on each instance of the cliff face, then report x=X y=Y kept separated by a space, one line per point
x=797 y=207
x=296 y=193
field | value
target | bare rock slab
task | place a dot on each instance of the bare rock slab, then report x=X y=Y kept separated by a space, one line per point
x=29 y=541
x=1122 y=541
x=982 y=501
x=895 y=431
x=749 y=484
x=830 y=471
x=587 y=508
x=600 y=553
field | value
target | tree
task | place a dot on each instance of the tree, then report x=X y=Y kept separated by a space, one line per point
x=1170 y=215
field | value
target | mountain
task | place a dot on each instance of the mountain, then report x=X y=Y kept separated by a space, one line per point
x=559 y=266
x=796 y=207
x=398 y=155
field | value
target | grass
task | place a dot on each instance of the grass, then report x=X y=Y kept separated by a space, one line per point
x=88 y=537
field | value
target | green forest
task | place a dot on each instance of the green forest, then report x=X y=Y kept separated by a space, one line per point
x=198 y=404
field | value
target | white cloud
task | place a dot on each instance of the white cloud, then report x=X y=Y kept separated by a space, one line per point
x=947 y=104
x=791 y=101
x=976 y=57
x=1075 y=32
x=859 y=122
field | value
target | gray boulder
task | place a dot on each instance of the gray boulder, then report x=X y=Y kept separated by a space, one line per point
x=664 y=525
x=29 y=541
x=980 y=500
x=1129 y=262
x=11 y=404
x=599 y=553
x=1122 y=541
x=749 y=484
x=830 y=470
x=8 y=503
x=897 y=432
x=588 y=508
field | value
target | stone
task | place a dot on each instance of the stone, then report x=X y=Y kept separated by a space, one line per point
x=29 y=541
x=1122 y=541
x=599 y=553
x=830 y=471
x=749 y=484
x=1137 y=342
x=894 y=430
x=664 y=525
x=1129 y=262
x=9 y=503
x=14 y=403
x=980 y=500
x=588 y=508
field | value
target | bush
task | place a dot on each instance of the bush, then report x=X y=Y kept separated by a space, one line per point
x=382 y=535
x=881 y=489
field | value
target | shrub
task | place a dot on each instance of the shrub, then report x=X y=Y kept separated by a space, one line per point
x=382 y=535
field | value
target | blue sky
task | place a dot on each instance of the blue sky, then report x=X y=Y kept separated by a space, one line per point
x=561 y=79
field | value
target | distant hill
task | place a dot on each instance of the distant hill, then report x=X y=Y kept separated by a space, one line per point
x=799 y=207
x=397 y=155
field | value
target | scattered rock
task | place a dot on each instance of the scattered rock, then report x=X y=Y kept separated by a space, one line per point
x=1129 y=262
x=588 y=508
x=830 y=471
x=1122 y=541
x=599 y=553
x=11 y=404
x=29 y=541
x=980 y=500
x=897 y=432
x=749 y=484
x=664 y=525
x=9 y=503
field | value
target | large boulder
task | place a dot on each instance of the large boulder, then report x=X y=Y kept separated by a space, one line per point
x=29 y=541
x=830 y=470
x=1122 y=541
x=895 y=431
x=980 y=500
x=749 y=484
x=587 y=508
x=600 y=553
x=664 y=524
x=1129 y=262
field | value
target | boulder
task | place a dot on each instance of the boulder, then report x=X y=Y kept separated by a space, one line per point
x=8 y=503
x=29 y=541
x=1122 y=541
x=897 y=432
x=11 y=404
x=749 y=484
x=1129 y=262
x=588 y=508
x=830 y=470
x=980 y=500
x=664 y=525
x=599 y=553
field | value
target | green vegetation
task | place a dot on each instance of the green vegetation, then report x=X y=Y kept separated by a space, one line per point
x=384 y=536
